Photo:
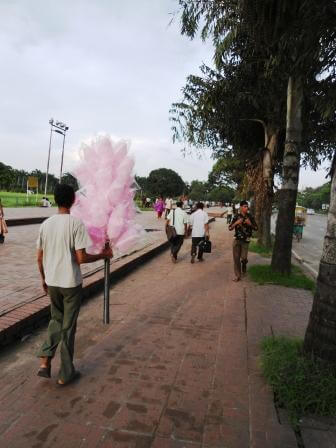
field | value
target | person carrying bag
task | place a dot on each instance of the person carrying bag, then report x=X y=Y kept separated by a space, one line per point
x=177 y=231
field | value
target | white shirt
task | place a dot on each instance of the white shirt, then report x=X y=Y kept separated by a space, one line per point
x=169 y=203
x=230 y=210
x=59 y=237
x=198 y=220
x=180 y=219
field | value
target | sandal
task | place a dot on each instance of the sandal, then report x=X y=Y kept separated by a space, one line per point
x=74 y=378
x=44 y=372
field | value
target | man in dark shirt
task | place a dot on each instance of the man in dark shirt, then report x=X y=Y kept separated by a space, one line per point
x=243 y=224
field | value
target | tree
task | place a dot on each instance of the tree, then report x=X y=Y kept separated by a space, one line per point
x=277 y=33
x=315 y=197
x=320 y=338
x=221 y=194
x=198 y=190
x=284 y=30
x=165 y=182
x=69 y=179
x=232 y=111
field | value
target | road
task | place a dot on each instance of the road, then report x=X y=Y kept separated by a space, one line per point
x=310 y=247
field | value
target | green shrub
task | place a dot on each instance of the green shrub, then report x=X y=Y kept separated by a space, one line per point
x=262 y=274
x=301 y=385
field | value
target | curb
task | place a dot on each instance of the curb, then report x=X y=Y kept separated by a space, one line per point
x=25 y=221
x=306 y=265
x=21 y=321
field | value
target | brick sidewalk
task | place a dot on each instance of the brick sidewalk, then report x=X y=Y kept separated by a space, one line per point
x=177 y=367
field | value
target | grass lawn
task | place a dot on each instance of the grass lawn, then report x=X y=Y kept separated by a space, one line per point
x=12 y=199
x=301 y=385
x=263 y=275
x=261 y=250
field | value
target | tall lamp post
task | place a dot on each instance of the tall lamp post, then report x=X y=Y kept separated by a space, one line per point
x=60 y=128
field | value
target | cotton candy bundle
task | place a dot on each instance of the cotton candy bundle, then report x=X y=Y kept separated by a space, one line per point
x=105 y=201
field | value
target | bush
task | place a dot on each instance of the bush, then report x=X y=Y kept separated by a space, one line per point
x=301 y=385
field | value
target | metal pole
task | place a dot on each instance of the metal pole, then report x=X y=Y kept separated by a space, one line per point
x=60 y=179
x=107 y=288
x=46 y=181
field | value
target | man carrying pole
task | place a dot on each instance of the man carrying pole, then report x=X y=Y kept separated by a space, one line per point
x=61 y=249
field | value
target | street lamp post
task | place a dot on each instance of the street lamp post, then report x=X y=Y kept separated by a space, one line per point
x=60 y=128
x=46 y=181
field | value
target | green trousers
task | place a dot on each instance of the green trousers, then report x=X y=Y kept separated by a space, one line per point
x=65 y=306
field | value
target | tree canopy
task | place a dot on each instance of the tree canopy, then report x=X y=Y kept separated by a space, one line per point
x=165 y=182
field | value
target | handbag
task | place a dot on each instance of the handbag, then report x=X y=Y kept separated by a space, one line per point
x=171 y=231
x=205 y=246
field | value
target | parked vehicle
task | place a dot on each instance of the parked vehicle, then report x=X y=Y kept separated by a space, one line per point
x=310 y=211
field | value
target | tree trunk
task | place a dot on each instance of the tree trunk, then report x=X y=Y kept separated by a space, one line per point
x=282 y=251
x=320 y=338
x=266 y=195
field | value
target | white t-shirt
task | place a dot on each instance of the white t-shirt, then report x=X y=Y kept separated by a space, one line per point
x=169 y=203
x=197 y=220
x=59 y=237
x=180 y=219
x=229 y=210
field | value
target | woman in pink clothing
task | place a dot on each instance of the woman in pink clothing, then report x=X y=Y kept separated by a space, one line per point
x=159 y=207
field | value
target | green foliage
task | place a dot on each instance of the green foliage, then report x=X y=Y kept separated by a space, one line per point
x=16 y=180
x=257 y=46
x=15 y=199
x=142 y=182
x=221 y=194
x=165 y=182
x=315 y=197
x=69 y=179
x=263 y=275
x=256 y=248
x=301 y=385
x=198 y=190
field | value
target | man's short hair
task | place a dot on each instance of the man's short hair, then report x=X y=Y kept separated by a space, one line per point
x=200 y=205
x=243 y=203
x=179 y=204
x=64 y=195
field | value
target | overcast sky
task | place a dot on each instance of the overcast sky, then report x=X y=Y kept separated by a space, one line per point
x=112 y=66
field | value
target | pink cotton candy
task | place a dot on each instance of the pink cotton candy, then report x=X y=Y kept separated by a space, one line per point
x=105 y=200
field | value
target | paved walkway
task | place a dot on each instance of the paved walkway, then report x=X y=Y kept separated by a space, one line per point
x=176 y=368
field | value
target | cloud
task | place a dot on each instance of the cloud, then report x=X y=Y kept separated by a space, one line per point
x=112 y=66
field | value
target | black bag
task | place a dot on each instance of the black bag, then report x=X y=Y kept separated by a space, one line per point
x=171 y=231
x=205 y=245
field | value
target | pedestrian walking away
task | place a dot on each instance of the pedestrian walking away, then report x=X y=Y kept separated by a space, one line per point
x=61 y=249
x=229 y=214
x=199 y=223
x=3 y=225
x=179 y=219
x=169 y=206
x=243 y=223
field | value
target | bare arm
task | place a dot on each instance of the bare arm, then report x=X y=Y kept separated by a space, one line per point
x=206 y=228
x=83 y=257
x=40 y=266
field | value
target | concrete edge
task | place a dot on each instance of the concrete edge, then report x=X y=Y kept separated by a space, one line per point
x=26 y=318
x=312 y=271
x=25 y=221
